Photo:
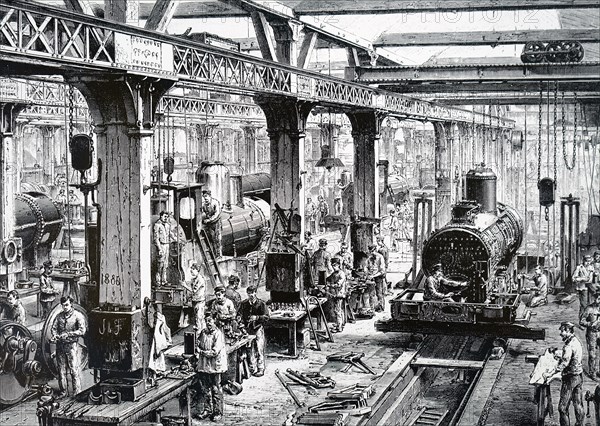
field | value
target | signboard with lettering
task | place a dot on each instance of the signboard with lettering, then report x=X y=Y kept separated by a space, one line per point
x=141 y=52
x=117 y=338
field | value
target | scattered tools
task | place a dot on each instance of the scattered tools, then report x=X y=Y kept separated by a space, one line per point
x=287 y=387
x=353 y=359
x=354 y=391
x=313 y=379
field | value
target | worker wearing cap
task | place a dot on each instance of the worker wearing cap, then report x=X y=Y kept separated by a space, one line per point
x=222 y=309
x=570 y=367
x=336 y=289
x=596 y=264
x=162 y=239
x=254 y=314
x=211 y=220
x=591 y=321
x=582 y=277
x=321 y=263
x=435 y=283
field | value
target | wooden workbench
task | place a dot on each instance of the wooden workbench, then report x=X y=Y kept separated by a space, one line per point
x=290 y=320
x=75 y=413
x=175 y=354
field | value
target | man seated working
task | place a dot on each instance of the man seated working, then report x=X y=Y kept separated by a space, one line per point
x=538 y=294
x=436 y=284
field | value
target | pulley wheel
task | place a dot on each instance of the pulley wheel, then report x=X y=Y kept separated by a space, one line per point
x=13 y=386
x=49 y=347
x=574 y=49
x=533 y=52
x=555 y=52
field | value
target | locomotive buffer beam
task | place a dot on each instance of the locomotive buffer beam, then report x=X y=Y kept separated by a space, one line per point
x=504 y=330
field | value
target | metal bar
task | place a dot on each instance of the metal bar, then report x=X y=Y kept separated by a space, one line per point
x=491 y=38
x=572 y=71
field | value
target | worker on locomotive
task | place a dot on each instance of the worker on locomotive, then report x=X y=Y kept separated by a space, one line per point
x=437 y=283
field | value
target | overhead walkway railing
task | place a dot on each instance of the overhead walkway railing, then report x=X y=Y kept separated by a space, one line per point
x=61 y=41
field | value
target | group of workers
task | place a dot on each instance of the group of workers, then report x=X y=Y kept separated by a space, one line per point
x=586 y=279
x=329 y=275
x=212 y=322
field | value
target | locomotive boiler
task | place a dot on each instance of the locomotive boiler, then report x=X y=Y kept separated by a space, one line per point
x=477 y=246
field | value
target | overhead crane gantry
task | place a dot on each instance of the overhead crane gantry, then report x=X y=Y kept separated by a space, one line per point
x=37 y=39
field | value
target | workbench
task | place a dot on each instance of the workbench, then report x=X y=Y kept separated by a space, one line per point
x=73 y=412
x=290 y=320
x=234 y=356
x=70 y=281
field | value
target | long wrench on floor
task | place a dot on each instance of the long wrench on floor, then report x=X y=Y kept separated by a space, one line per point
x=287 y=387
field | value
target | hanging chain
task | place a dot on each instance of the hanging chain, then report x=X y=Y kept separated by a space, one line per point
x=539 y=168
x=71 y=108
x=473 y=139
x=572 y=165
x=483 y=138
x=555 y=115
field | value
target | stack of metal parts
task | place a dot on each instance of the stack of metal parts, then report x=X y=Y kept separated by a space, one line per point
x=352 y=400
x=324 y=419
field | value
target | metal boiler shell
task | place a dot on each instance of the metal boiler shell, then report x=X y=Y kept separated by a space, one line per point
x=37 y=219
x=215 y=177
x=243 y=227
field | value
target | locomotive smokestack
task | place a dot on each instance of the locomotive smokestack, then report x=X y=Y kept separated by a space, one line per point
x=481 y=187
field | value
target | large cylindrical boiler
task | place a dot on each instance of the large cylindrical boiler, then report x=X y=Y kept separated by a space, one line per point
x=38 y=219
x=242 y=228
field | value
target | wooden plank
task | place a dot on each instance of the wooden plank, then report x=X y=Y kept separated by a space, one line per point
x=265 y=40
x=308 y=45
x=217 y=9
x=491 y=38
x=344 y=7
x=393 y=382
x=161 y=15
x=447 y=363
x=463 y=329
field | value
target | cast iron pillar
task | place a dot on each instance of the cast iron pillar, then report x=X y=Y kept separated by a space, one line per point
x=366 y=131
x=123 y=112
x=286 y=125
x=10 y=247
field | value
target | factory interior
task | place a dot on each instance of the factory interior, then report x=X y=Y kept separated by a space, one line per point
x=299 y=212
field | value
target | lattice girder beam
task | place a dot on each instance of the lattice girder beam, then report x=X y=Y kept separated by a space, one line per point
x=112 y=48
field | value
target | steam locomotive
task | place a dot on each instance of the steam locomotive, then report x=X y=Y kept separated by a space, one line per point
x=478 y=246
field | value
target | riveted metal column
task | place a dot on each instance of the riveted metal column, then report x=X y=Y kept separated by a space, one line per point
x=366 y=131
x=250 y=148
x=443 y=188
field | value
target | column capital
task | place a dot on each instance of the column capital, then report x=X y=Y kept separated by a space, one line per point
x=8 y=116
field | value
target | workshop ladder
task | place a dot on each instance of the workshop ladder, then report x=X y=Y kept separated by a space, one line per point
x=209 y=259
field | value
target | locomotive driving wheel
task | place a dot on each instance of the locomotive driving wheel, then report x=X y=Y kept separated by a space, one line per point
x=533 y=52
x=17 y=364
x=49 y=346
